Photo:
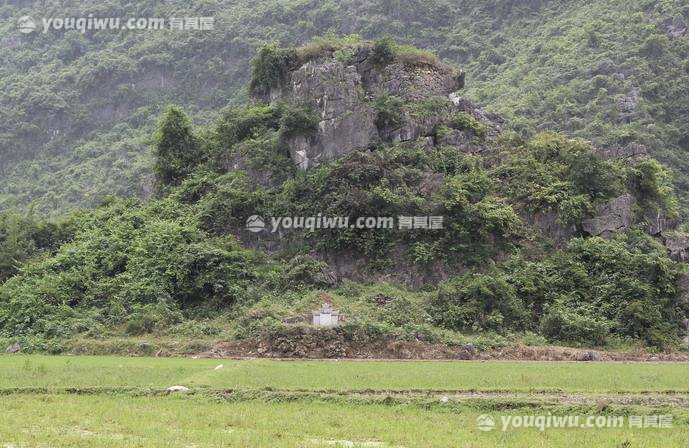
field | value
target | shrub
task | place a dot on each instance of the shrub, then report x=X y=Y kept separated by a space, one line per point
x=651 y=185
x=306 y=271
x=145 y=319
x=468 y=123
x=389 y=112
x=270 y=65
x=297 y=119
x=574 y=326
x=383 y=52
x=474 y=302
x=410 y=55
x=240 y=123
x=230 y=202
x=341 y=47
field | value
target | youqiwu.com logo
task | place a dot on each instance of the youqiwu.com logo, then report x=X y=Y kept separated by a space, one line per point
x=256 y=223
x=486 y=422
x=26 y=24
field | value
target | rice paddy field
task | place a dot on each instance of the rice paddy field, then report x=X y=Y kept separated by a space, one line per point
x=123 y=402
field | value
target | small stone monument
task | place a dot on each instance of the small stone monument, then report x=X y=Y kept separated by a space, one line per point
x=326 y=315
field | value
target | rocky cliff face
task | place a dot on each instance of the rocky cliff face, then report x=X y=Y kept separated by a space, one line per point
x=344 y=95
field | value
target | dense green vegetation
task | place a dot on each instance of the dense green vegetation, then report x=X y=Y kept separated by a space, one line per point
x=78 y=109
x=163 y=266
x=133 y=267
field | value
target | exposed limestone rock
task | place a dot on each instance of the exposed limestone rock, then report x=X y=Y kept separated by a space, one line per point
x=494 y=121
x=343 y=94
x=347 y=120
x=13 y=348
x=177 y=389
x=627 y=104
x=632 y=152
x=614 y=216
x=430 y=183
x=677 y=244
x=460 y=139
x=675 y=26
x=549 y=223
x=413 y=83
x=411 y=129
x=588 y=356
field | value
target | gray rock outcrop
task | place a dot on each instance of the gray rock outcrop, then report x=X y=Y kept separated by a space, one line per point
x=630 y=153
x=675 y=26
x=343 y=94
x=614 y=216
x=677 y=244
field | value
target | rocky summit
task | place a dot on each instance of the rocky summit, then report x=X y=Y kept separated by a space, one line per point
x=343 y=93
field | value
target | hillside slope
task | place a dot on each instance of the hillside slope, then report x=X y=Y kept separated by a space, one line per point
x=542 y=239
x=76 y=110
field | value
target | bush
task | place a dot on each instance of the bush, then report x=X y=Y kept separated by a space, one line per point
x=562 y=324
x=297 y=119
x=240 y=123
x=410 y=55
x=477 y=302
x=177 y=149
x=389 y=112
x=145 y=319
x=341 y=47
x=651 y=185
x=383 y=52
x=468 y=123
x=270 y=65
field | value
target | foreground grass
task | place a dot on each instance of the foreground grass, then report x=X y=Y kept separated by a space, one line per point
x=181 y=421
x=38 y=408
x=81 y=372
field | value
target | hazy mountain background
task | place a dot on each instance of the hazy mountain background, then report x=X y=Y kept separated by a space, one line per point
x=77 y=110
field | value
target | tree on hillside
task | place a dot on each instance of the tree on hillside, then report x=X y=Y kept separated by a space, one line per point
x=177 y=149
x=16 y=245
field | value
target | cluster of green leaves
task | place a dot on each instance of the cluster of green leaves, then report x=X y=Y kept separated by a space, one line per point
x=386 y=51
x=590 y=292
x=389 y=111
x=270 y=66
x=123 y=261
x=468 y=123
x=394 y=181
x=552 y=172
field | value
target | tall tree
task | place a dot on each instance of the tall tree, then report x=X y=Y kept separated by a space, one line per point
x=177 y=149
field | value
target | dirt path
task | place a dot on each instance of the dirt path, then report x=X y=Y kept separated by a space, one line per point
x=601 y=400
x=415 y=351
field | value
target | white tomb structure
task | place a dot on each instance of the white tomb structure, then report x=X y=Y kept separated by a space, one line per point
x=326 y=315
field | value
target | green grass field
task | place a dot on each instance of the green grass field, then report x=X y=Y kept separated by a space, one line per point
x=119 y=402
x=84 y=371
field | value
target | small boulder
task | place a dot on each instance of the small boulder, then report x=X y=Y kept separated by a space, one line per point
x=14 y=348
x=177 y=389
x=467 y=351
x=587 y=356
